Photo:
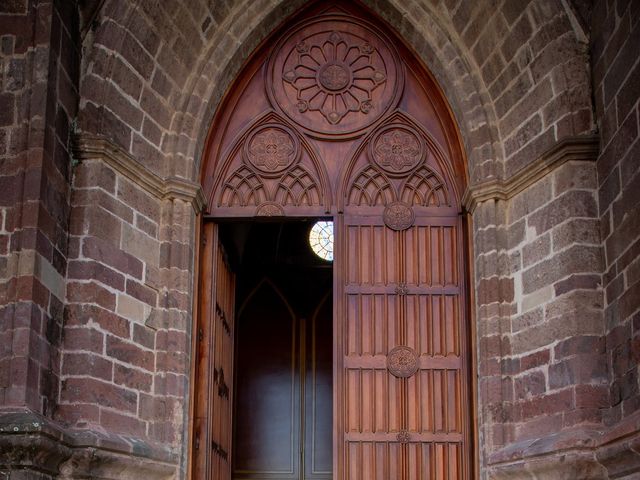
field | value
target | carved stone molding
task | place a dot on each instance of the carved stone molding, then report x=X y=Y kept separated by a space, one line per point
x=92 y=147
x=580 y=148
x=402 y=362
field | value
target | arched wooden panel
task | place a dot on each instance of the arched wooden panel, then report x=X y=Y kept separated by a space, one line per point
x=333 y=115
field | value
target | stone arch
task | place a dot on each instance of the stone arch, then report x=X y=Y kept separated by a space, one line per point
x=483 y=57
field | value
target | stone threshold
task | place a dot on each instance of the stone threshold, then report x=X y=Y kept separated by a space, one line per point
x=29 y=441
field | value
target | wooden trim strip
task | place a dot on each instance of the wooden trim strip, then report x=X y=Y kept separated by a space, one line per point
x=93 y=147
x=379 y=362
x=582 y=148
x=409 y=289
x=425 y=437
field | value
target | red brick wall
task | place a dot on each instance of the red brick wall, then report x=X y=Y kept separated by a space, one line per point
x=98 y=276
x=616 y=80
x=39 y=55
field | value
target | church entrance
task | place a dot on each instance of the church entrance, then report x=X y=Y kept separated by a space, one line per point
x=333 y=118
x=284 y=350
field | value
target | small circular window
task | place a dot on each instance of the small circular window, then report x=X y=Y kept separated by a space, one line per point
x=321 y=239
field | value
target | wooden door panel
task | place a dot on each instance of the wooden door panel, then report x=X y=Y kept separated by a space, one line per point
x=431 y=255
x=433 y=324
x=368 y=325
x=214 y=362
x=371 y=259
x=410 y=297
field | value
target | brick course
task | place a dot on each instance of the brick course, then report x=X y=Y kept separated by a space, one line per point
x=96 y=262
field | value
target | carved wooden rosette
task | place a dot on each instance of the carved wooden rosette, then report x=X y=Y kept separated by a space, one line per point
x=402 y=362
x=334 y=76
x=397 y=149
x=271 y=148
x=269 y=209
x=398 y=216
x=403 y=436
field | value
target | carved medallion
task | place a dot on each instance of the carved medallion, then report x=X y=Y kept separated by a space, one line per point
x=398 y=216
x=269 y=210
x=402 y=362
x=334 y=76
x=397 y=149
x=403 y=436
x=271 y=148
x=401 y=289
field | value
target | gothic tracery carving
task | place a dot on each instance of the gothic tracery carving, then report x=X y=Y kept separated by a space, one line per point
x=371 y=187
x=425 y=188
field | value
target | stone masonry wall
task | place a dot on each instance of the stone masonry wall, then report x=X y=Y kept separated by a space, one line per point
x=39 y=71
x=96 y=261
x=542 y=364
x=616 y=79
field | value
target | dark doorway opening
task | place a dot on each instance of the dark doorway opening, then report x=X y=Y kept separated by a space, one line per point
x=283 y=419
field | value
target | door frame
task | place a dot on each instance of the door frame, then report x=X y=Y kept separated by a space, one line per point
x=457 y=169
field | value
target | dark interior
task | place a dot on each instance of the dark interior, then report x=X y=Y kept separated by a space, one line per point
x=283 y=377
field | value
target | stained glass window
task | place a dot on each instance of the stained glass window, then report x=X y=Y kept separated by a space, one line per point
x=321 y=239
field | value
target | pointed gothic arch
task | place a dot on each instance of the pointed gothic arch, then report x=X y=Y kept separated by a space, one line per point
x=334 y=115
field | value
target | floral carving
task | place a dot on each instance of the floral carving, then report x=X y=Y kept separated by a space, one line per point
x=334 y=78
x=403 y=436
x=271 y=148
x=397 y=149
x=269 y=210
x=398 y=216
x=402 y=362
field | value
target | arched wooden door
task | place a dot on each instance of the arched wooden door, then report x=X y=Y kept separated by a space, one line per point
x=334 y=116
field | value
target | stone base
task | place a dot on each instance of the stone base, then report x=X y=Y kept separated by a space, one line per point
x=581 y=454
x=33 y=447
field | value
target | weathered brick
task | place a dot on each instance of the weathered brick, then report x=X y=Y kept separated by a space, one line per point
x=576 y=259
x=89 y=390
x=86 y=364
x=103 y=252
x=530 y=385
x=132 y=378
x=123 y=424
x=570 y=205
x=85 y=314
x=129 y=353
x=91 y=293
x=581 y=369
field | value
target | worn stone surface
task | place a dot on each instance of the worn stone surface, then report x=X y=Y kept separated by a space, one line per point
x=96 y=270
